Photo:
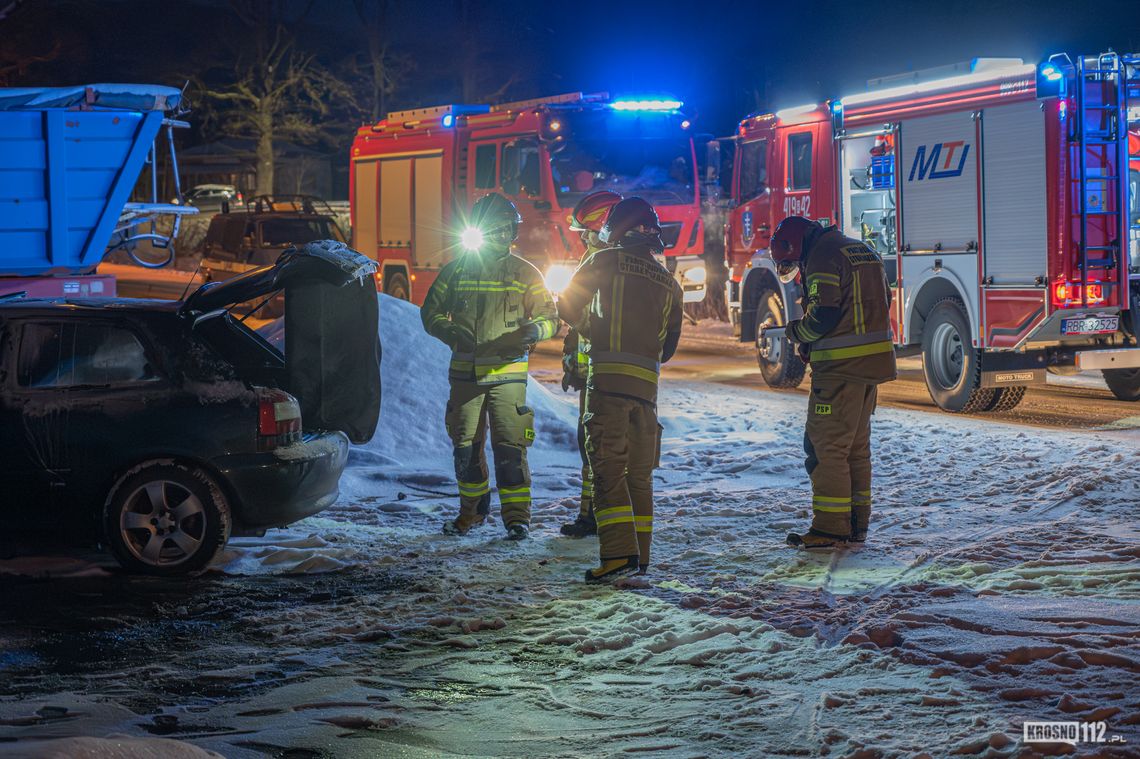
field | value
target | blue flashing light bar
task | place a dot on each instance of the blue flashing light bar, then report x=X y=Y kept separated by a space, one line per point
x=1051 y=72
x=646 y=105
x=448 y=121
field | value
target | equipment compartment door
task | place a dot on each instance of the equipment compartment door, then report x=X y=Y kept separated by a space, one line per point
x=938 y=173
x=1014 y=246
x=429 y=232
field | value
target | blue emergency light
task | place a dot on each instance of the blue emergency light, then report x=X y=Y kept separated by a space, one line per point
x=646 y=105
x=448 y=121
x=1050 y=79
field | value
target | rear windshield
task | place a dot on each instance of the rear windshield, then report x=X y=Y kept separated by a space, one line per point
x=280 y=233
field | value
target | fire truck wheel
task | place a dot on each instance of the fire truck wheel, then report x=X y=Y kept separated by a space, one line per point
x=1124 y=383
x=778 y=362
x=950 y=363
x=1007 y=398
x=397 y=286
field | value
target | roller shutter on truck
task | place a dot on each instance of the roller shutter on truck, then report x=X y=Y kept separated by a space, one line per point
x=1013 y=190
x=399 y=204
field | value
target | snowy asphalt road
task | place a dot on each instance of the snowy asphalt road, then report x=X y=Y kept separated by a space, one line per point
x=1001 y=584
x=709 y=353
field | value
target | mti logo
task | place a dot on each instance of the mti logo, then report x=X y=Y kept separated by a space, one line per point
x=929 y=168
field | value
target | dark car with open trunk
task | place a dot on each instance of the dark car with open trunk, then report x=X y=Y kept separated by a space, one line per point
x=162 y=428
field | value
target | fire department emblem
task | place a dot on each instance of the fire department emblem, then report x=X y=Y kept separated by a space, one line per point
x=746 y=230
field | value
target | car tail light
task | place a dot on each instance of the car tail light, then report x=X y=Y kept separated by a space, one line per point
x=239 y=197
x=278 y=419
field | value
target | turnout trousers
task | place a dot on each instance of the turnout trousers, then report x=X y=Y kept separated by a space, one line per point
x=623 y=445
x=586 y=506
x=471 y=410
x=837 y=441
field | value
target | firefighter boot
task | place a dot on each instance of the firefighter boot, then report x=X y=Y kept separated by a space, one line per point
x=468 y=519
x=517 y=531
x=815 y=541
x=860 y=518
x=581 y=527
x=611 y=569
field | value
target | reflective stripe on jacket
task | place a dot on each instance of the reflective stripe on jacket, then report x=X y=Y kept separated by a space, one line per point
x=492 y=299
x=624 y=304
x=845 y=275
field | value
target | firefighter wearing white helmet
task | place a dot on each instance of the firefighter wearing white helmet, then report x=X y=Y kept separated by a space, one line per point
x=846 y=335
x=490 y=307
x=628 y=307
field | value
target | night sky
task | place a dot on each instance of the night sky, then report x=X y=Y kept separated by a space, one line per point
x=724 y=61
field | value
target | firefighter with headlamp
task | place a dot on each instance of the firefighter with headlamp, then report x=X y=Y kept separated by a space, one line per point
x=628 y=307
x=845 y=333
x=587 y=219
x=490 y=307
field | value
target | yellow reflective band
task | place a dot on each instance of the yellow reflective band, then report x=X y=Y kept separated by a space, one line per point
x=860 y=326
x=806 y=335
x=630 y=371
x=515 y=491
x=825 y=277
x=459 y=363
x=615 y=316
x=546 y=329
x=855 y=351
x=438 y=317
x=539 y=288
x=474 y=490
x=614 y=520
x=614 y=510
x=517 y=367
x=842 y=505
x=643 y=524
x=832 y=509
x=514 y=498
x=828 y=499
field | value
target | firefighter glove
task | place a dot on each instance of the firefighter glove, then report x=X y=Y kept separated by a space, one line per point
x=803 y=350
x=457 y=337
x=570 y=376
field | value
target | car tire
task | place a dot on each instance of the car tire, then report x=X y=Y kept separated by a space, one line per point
x=1124 y=383
x=166 y=519
x=397 y=286
x=951 y=366
x=777 y=359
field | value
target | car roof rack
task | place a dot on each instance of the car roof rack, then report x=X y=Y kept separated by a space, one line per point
x=309 y=204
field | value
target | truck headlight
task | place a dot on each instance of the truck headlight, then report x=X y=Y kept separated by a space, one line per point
x=558 y=277
x=696 y=275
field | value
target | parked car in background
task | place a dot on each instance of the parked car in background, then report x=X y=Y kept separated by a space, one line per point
x=256 y=235
x=212 y=196
x=161 y=428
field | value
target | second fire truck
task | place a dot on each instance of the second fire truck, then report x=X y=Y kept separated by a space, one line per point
x=998 y=197
x=416 y=173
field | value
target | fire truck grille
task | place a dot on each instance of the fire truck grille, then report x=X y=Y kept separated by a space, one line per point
x=670 y=233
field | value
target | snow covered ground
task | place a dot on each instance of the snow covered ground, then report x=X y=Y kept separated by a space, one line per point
x=1001 y=584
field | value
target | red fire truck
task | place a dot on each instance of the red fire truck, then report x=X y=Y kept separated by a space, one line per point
x=416 y=173
x=997 y=194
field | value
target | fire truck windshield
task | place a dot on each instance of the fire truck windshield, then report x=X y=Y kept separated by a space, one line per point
x=644 y=154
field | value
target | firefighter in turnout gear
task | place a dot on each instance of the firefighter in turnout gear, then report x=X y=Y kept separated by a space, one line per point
x=846 y=335
x=490 y=307
x=587 y=219
x=628 y=308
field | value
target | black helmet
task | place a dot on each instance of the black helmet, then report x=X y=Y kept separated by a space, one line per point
x=492 y=213
x=633 y=222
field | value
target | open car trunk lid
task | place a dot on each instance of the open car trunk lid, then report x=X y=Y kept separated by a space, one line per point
x=332 y=344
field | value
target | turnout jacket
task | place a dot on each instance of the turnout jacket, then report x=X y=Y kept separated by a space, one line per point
x=846 y=320
x=493 y=299
x=627 y=307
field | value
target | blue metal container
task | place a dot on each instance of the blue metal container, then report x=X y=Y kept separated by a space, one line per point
x=69 y=158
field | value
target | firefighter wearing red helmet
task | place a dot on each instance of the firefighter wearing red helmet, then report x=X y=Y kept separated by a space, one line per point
x=628 y=307
x=490 y=307
x=846 y=335
x=587 y=219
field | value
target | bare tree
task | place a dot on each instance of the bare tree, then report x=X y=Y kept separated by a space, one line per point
x=386 y=68
x=269 y=89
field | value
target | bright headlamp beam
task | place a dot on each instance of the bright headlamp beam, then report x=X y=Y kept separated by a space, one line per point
x=471 y=238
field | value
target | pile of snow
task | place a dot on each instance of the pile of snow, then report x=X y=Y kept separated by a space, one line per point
x=414 y=397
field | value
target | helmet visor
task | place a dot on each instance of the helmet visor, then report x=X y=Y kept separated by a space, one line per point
x=787 y=271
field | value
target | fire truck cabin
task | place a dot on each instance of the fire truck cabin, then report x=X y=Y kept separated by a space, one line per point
x=416 y=173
